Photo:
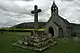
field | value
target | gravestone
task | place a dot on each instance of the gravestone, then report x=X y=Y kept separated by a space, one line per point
x=37 y=41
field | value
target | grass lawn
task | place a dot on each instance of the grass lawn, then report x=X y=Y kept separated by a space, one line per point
x=63 y=46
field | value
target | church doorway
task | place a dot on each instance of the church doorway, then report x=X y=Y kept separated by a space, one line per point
x=51 y=31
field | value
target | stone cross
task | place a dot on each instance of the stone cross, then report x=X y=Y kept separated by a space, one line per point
x=35 y=12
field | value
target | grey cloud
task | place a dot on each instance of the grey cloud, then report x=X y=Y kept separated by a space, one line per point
x=67 y=0
x=14 y=8
x=8 y=19
x=27 y=0
x=70 y=11
x=14 y=11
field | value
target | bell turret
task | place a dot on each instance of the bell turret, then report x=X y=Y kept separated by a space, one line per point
x=54 y=9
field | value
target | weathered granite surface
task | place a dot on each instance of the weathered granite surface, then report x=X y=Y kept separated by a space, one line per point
x=39 y=42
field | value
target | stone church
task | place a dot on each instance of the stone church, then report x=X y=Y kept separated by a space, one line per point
x=59 y=26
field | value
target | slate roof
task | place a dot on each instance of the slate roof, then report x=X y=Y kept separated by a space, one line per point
x=64 y=20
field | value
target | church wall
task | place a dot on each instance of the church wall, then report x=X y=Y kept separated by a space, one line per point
x=62 y=24
x=59 y=21
x=69 y=31
x=75 y=29
x=60 y=32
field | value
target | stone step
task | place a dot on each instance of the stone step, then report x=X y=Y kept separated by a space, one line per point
x=35 y=48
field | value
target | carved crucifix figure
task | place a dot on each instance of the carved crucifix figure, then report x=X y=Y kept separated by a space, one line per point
x=35 y=12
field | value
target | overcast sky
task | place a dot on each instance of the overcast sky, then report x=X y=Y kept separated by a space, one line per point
x=13 y=12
